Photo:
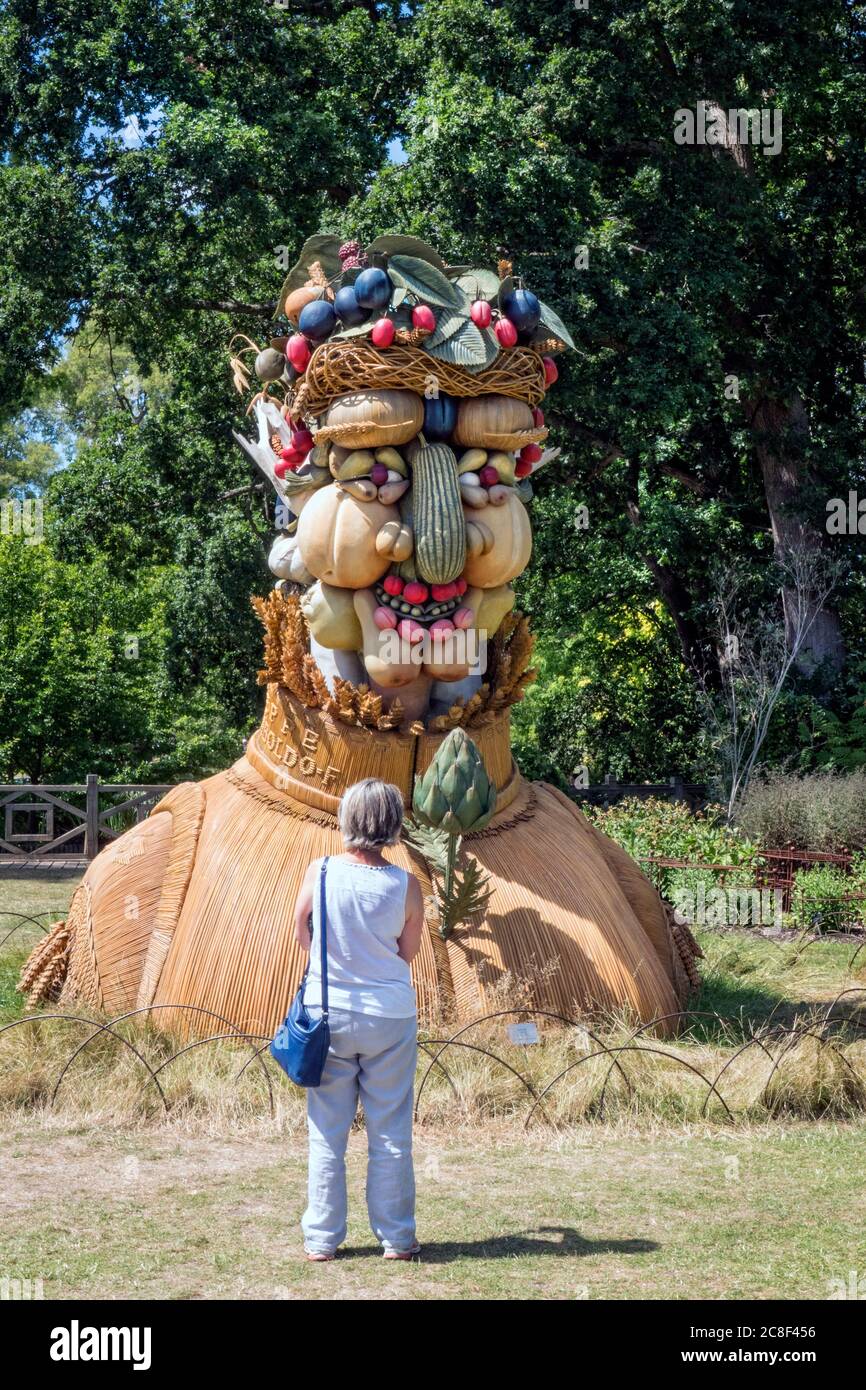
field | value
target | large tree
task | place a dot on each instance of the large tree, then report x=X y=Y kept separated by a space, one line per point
x=716 y=399
x=161 y=161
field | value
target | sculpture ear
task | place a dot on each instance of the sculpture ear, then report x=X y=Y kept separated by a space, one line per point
x=260 y=458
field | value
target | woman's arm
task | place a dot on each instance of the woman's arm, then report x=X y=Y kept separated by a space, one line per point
x=409 y=940
x=304 y=906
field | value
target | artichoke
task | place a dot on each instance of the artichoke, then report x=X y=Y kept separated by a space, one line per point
x=455 y=794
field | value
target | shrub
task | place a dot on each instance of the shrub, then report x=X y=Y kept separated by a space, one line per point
x=828 y=898
x=670 y=828
x=823 y=811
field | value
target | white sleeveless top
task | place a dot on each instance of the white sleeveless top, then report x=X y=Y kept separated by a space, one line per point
x=366 y=911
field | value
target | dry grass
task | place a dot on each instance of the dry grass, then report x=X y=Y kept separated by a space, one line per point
x=609 y=1070
x=759 y=1026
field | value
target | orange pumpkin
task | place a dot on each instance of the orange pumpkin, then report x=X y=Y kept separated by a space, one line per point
x=509 y=554
x=337 y=538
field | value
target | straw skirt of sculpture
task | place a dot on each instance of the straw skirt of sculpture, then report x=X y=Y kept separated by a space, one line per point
x=194 y=907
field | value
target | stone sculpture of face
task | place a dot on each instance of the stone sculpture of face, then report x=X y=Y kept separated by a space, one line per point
x=408 y=526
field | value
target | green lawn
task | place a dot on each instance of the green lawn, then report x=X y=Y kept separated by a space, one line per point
x=107 y=1197
x=771 y=1213
x=28 y=903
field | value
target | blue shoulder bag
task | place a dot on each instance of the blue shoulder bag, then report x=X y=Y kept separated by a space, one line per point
x=301 y=1043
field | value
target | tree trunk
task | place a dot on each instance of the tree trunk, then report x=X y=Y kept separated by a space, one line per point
x=781 y=432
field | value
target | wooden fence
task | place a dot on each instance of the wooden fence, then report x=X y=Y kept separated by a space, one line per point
x=608 y=792
x=68 y=823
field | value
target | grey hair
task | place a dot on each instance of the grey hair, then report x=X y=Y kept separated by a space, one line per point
x=371 y=814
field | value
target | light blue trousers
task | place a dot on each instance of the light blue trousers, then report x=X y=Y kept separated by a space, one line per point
x=374 y=1058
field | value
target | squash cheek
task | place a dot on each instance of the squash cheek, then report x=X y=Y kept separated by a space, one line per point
x=509 y=554
x=337 y=538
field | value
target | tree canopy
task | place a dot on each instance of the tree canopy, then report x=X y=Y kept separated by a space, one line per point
x=161 y=164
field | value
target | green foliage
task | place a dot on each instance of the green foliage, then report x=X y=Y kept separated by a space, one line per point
x=654 y=828
x=834 y=737
x=531 y=127
x=611 y=695
x=83 y=683
x=460 y=886
x=825 y=898
x=672 y=830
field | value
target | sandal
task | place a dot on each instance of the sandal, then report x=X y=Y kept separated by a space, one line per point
x=403 y=1254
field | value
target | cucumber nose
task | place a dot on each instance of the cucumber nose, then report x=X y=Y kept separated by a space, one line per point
x=437 y=514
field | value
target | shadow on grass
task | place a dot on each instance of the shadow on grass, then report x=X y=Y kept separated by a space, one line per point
x=744 y=1007
x=552 y=1240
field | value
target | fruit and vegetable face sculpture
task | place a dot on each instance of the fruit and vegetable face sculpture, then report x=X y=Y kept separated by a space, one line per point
x=400 y=423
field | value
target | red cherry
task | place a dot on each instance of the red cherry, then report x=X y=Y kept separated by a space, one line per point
x=538 y=417
x=423 y=317
x=505 y=332
x=378 y=474
x=551 y=371
x=481 y=313
x=522 y=468
x=383 y=333
x=530 y=453
x=292 y=456
x=441 y=592
x=392 y=584
x=462 y=586
x=298 y=352
x=302 y=440
x=415 y=592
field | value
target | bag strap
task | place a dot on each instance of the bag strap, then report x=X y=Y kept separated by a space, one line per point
x=323 y=930
x=323 y=935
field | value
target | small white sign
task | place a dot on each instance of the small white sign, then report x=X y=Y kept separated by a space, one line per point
x=523 y=1033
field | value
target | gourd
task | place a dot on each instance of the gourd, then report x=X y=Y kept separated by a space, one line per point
x=472 y=461
x=493 y=608
x=355 y=465
x=491 y=421
x=504 y=465
x=509 y=554
x=391 y=459
x=368 y=419
x=337 y=538
x=440 y=531
x=331 y=617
